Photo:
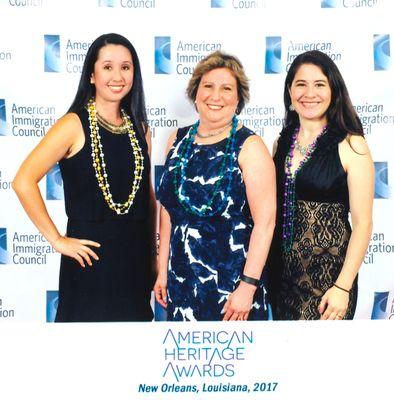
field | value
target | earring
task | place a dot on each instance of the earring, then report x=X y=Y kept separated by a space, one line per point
x=291 y=107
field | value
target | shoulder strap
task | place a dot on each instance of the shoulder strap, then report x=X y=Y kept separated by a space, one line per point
x=242 y=135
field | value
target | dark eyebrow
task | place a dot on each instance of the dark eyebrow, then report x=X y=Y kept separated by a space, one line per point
x=316 y=81
x=212 y=82
x=125 y=61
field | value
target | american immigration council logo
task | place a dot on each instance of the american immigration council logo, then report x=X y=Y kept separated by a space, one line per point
x=238 y=4
x=106 y=3
x=160 y=312
x=54 y=184
x=380 y=305
x=381 y=52
x=163 y=63
x=52 y=302
x=382 y=188
x=4 y=256
x=273 y=55
x=330 y=3
x=218 y=3
x=3 y=118
x=52 y=53
x=348 y=3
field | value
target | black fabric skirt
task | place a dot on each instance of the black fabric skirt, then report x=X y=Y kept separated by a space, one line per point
x=117 y=287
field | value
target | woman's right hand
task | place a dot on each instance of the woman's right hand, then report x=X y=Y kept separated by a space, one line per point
x=160 y=289
x=77 y=249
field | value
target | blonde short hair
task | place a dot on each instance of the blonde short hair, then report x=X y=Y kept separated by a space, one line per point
x=218 y=59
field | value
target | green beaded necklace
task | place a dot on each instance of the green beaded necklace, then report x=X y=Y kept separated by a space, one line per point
x=180 y=178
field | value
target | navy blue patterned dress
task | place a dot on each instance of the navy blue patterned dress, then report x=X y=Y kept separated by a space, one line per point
x=207 y=254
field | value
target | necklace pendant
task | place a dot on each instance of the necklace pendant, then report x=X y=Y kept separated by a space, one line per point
x=302 y=150
x=217 y=133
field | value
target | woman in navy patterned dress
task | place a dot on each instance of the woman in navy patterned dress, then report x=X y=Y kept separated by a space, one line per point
x=218 y=205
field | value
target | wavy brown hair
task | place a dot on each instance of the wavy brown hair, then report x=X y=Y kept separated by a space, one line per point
x=219 y=59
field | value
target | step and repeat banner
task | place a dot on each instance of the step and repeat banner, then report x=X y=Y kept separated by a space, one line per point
x=42 y=48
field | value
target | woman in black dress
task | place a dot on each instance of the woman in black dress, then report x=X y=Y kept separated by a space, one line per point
x=102 y=145
x=324 y=171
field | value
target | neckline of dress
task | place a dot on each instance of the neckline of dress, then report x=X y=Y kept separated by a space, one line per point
x=218 y=142
x=210 y=144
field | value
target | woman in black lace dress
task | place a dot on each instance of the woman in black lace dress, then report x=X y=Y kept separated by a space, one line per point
x=324 y=171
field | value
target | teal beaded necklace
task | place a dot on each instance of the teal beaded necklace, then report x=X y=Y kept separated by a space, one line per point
x=179 y=179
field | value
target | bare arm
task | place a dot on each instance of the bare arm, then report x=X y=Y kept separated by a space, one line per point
x=160 y=287
x=360 y=177
x=275 y=146
x=259 y=176
x=62 y=139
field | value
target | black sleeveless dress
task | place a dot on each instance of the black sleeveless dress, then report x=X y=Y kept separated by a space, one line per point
x=117 y=287
x=297 y=279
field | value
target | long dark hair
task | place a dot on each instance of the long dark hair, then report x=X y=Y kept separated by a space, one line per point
x=340 y=114
x=134 y=102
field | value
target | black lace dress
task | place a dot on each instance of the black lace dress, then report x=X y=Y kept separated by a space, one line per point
x=297 y=279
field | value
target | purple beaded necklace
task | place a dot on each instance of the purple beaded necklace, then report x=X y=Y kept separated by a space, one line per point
x=289 y=203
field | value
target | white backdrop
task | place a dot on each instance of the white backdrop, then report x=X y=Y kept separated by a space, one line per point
x=42 y=47
x=307 y=360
